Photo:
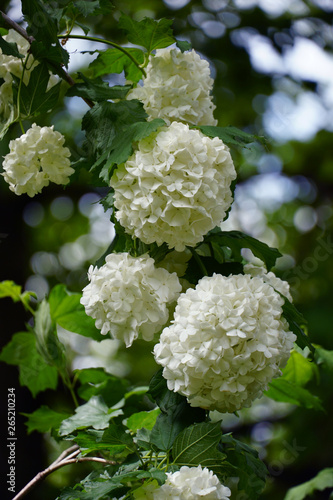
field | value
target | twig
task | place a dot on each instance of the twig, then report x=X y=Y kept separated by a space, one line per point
x=60 y=70
x=67 y=457
x=66 y=453
x=17 y=27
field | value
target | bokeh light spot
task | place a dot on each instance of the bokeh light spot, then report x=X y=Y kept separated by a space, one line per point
x=37 y=284
x=33 y=214
x=305 y=219
x=62 y=208
x=213 y=29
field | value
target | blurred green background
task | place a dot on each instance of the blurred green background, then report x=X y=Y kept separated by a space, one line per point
x=272 y=63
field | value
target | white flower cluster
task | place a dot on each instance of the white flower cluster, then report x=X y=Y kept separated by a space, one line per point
x=128 y=296
x=189 y=483
x=36 y=159
x=175 y=187
x=227 y=341
x=177 y=88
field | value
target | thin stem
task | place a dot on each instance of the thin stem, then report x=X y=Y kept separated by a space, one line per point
x=68 y=384
x=23 y=132
x=18 y=100
x=26 y=306
x=198 y=261
x=107 y=42
x=162 y=461
x=67 y=457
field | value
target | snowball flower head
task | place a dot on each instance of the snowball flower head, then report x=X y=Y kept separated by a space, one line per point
x=177 y=88
x=36 y=159
x=175 y=187
x=128 y=296
x=189 y=483
x=227 y=341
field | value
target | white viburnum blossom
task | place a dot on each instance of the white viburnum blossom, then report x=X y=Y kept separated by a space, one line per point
x=36 y=158
x=175 y=187
x=228 y=340
x=270 y=278
x=189 y=483
x=177 y=88
x=128 y=297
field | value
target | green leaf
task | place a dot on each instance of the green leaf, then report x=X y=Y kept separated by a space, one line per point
x=296 y=321
x=97 y=90
x=117 y=436
x=148 y=33
x=104 y=124
x=146 y=419
x=122 y=146
x=10 y=289
x=142 y=439
x=114 y=439
x=92 y=444
x=10 y=49
x=44 y=419
x=91 y=491
x=283 y=390
x=93 y=7
x=197 y=444
x=42 y=26
x=323 y=480
x=49 y=55
x=115 y=61
x=324 y=358
x=34 y=99
x=111 y=482
x=68 y=312
x=87 y=7
x=251 y=471
x=236 y=240
x=35 y=373
x=46 y=27
x=183 y=45
x=93 y=414
x=159 y=391
x=107 y=201
x=106 y=119
x=231 y=135
x=166 y=429
x=96 y=382
x=176 y=414
x=299 y=370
